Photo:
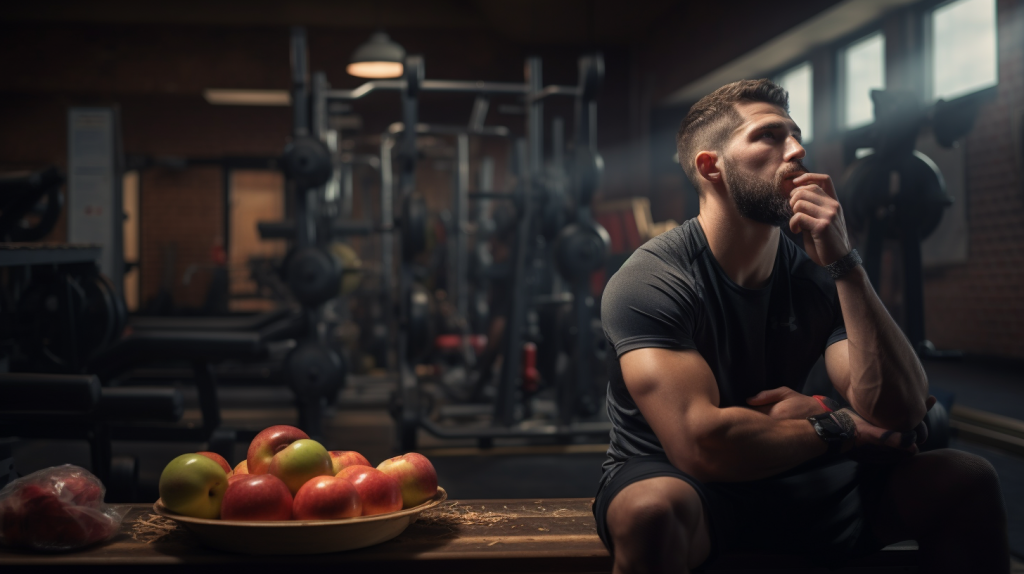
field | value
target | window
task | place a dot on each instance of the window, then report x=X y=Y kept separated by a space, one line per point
x=863 y=70
x=799 y=83
x=963 y=48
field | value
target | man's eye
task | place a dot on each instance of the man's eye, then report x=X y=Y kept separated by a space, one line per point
x=769 y=135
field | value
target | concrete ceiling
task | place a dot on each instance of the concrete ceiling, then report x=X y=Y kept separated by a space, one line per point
x=530 y=22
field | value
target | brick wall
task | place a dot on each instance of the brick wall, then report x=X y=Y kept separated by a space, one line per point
x=979 y=306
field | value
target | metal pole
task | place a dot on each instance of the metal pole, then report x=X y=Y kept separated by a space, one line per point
x=532 y=152
x=387 y=240
x=461 y=224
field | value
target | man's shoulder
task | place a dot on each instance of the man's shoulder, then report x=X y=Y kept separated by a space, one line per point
x=678 y=247
x=667 y=259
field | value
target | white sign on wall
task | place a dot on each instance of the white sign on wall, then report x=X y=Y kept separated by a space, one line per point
x=94 y=186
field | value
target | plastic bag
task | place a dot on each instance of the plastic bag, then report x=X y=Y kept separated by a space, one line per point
x=57 y=509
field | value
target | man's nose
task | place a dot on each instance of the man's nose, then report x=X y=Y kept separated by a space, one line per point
x=794 y=150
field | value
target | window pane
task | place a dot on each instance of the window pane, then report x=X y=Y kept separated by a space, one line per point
x=798 y=82
x=864 y=70
x=963 y=48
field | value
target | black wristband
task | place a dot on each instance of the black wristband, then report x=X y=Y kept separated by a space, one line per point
x=837 y=269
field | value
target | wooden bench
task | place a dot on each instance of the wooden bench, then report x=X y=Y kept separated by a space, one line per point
x=535 y=536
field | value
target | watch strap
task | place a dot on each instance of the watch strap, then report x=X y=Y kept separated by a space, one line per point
x=835 y=428
x=839 y=268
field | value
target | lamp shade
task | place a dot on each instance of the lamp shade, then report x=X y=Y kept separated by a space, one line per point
x=378 y=57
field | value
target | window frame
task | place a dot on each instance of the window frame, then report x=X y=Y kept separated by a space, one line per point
x=809 y=60
x=927 y=9
x=839 y=57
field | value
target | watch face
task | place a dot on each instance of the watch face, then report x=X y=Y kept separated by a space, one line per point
x=831 y=426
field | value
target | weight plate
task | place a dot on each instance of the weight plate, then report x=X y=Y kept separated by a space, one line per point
x=313 y=274
x=314 y=371
x=899 y=190
x=66 y=320
x=581 y=249
x=307 y=161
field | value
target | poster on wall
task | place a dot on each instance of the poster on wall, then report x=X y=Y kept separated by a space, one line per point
x=94 y=185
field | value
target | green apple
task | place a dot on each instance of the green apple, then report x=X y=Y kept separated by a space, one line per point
x=193 y=485
x=300 y=461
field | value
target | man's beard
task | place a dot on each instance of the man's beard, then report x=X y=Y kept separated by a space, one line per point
x=759 y=199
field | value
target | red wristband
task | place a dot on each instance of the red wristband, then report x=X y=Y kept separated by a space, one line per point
x=822 y=403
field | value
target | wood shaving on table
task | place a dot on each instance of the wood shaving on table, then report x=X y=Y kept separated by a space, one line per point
x=150 y=528
x=452 y=514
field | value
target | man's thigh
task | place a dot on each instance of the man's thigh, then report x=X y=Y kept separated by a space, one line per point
x=659 y=515
x=922 y=492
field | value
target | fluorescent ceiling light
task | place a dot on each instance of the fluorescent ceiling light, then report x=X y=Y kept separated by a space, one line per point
x=219 y=97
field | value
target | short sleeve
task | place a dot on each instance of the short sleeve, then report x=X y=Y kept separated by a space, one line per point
x=649 y=303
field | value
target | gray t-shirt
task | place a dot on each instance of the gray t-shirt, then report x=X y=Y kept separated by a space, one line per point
x=672 y=294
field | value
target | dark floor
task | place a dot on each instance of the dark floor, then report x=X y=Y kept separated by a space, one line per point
x=513 y=469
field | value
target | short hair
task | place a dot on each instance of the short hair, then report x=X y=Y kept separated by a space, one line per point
x=710 y=121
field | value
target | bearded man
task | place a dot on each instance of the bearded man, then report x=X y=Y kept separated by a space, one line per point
x=715 y=326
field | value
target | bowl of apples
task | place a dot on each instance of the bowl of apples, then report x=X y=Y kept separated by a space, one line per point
x=292 y=496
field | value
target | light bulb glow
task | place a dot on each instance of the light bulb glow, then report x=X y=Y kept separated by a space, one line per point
x=375 y=70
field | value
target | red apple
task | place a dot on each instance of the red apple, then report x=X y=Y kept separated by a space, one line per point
x=415 y=475
x=299 y=462
x=345 y=458
x=82 y=491
x=234 y=477
x=379 y=492
x=269 y=442
x=218 y=459
x=241 y=468
x=257 y=497
x=327 y=498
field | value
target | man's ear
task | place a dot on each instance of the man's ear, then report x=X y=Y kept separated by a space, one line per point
x=707 y=166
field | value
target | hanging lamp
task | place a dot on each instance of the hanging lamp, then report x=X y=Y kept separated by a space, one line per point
x=378 y=57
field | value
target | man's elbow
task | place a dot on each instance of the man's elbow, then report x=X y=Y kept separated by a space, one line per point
x=897 y=416
x=693 y=462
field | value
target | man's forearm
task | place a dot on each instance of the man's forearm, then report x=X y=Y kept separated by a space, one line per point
x=888 y=385
x=737 y=444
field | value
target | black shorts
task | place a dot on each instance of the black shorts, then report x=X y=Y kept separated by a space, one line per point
x=821 y=507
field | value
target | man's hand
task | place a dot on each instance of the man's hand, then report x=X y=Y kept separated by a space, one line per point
x=877 y=445
x=785 y=403
x=818 y=215
x=873 y=444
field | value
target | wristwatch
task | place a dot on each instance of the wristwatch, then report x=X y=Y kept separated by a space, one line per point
x=840 y=267
x=837 y=429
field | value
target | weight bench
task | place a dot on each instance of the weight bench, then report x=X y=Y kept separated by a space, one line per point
x=78 y=407
x=234 y=323
x=201 y=349
x=533 y=536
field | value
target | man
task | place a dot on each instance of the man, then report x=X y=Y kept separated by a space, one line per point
x=716 y=325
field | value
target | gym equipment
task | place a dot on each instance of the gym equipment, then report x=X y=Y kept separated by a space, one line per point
x=310 y=230
x=898 y=193
x=21 y=197
x=78 y=407
x=66 y=316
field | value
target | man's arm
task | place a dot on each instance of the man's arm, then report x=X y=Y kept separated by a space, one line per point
x=875 y=369
x=678 y=396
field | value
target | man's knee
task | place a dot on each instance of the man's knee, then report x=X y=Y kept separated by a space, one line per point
x=647 y=512
x=963 y=474
x=949 y=485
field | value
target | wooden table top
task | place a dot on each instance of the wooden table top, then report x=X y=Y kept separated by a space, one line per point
x=508 y=535
x=535 y=536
